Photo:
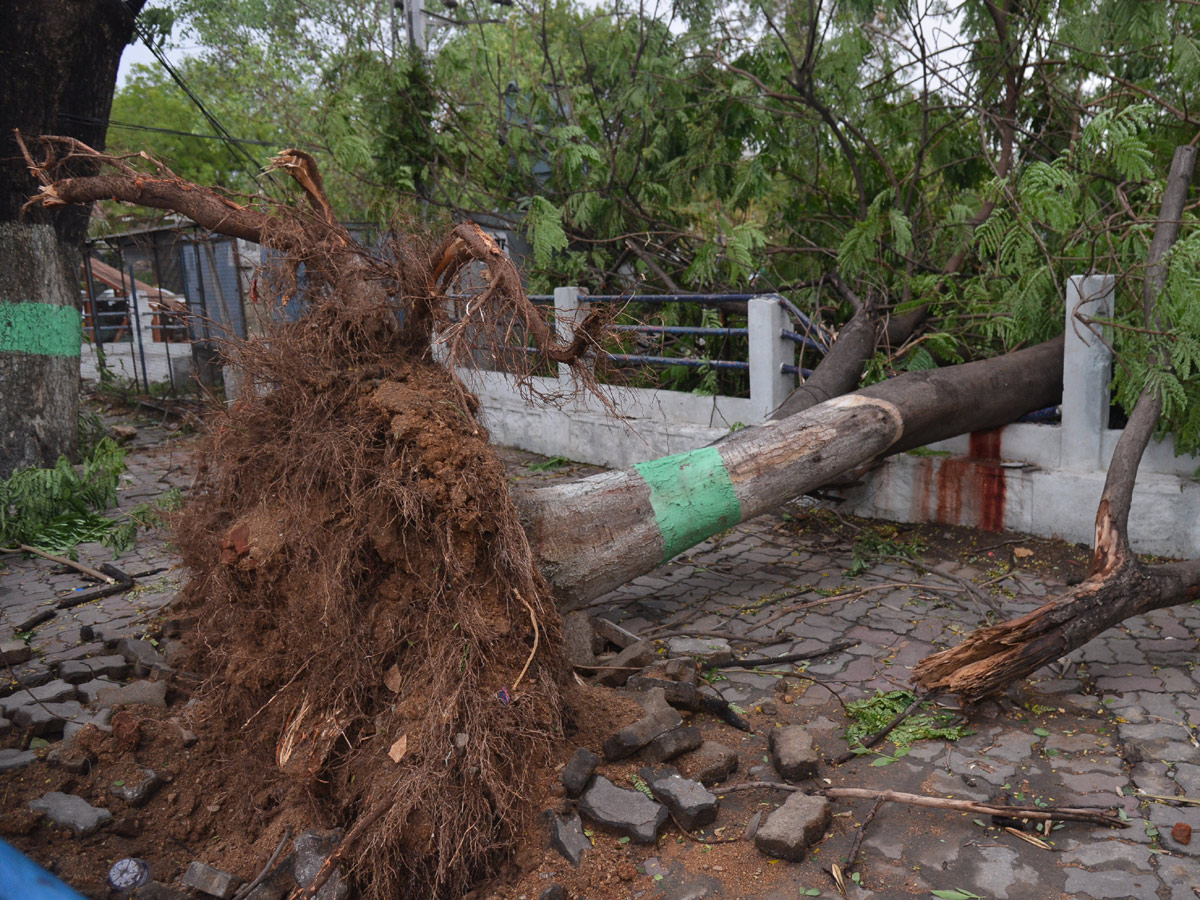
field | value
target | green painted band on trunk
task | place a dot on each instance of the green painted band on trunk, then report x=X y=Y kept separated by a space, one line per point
x=40 y=329
x=692 y=497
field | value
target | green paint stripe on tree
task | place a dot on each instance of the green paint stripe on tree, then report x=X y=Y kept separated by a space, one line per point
x=692 y=497
x=40 y=329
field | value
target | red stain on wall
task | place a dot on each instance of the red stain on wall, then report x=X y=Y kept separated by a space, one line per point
x=971 y=489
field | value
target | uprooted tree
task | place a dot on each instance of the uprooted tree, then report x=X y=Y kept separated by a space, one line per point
x=379 y=616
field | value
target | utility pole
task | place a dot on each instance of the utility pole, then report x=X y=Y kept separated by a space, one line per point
x=414 y=22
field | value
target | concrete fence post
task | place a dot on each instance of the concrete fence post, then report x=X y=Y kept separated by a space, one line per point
x=566 y=316
x=1087 y=372
x=769 y=352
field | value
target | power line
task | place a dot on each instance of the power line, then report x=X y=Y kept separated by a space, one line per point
x=192 y=134
x=235 y=148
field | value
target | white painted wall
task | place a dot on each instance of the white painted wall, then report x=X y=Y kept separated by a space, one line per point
x=1050 y=476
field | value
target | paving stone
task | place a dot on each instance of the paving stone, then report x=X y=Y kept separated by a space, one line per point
x=14 y=652
x=554 y=892
x=680 y=694
x=567 y=837
x=793 y=754
x=578 y=771
x=711 y=763
x=16 y=759
x=578 y=639
x=1092 y=853
x=660 y=718
x=141 y=654
x=52 y=692
x=89 y=690
x=145 y=693
x=790 y=830
x=673 y=743
x=312 y=849
x=137 y=791
x=1111 y=884
x=635 y=656
x=79 y=671
x=629 y=812
x=69 y=811
x=46 y=719
x=209 y=880
x=710 y=651
x=692 y=806
x=5 y=727
x=999 y=873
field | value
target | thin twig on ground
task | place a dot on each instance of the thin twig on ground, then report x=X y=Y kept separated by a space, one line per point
x=62 y=561
x=750 y=662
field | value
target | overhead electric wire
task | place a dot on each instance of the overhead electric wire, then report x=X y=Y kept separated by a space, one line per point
x=235 y=148
x=192 y=134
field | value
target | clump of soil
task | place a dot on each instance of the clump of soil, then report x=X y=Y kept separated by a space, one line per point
x=377 y=646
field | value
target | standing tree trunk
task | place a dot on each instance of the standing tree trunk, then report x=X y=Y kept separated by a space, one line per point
x=58 y=70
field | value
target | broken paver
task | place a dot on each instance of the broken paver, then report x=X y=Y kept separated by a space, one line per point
x=13 y=652
x=672 y=743
x=629 y=812
x=209 y=880
x=659 y=719
x=567 y=837
x=579 y=771
x=69 y=811
x=78 y=671
x=620 y=667
x=689 y=802
x=794 y=827
x=15 y=759
x=710 y=651
x=713 y=762
x=793 y=754
x=144 y=693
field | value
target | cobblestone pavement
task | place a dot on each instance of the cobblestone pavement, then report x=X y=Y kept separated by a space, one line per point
x=1108 y=726
x=32 y=588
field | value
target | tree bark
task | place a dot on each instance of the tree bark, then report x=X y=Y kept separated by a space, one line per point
x=595 y=534
x=58 y=69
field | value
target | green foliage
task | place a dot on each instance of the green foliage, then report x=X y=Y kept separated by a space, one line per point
x=871 y=547
x=55 y=509
x=873 y=714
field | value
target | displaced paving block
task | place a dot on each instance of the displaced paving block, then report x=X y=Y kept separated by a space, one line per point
x=794 y=827
x=674 y=742
x=13 y=652
x=89 y=690
x=208 y=880
x=578 y=638
x=659 y=719
x=578 y=771
x=620 y=667
x=793 y=754
x=679 y=694
x=567 y=837
x=710 y=651
x=144 y=693
x=78 y=671
x=711 y=763
x=138 y=790
x=689 y=802
x=15 y=759
x=69 y=811
x=312 y=849
x=46 y=719
x=629 y=812
x=141 y=654
x=52 y=692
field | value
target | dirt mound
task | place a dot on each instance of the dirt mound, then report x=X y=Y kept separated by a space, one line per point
x=377 y=645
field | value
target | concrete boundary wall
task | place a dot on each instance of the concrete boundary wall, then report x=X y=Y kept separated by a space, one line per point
x=1040 y=479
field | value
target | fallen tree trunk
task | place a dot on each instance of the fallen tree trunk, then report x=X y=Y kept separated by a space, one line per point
x=595 y=534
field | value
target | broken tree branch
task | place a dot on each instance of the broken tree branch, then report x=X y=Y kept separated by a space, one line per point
x=1118 y=586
